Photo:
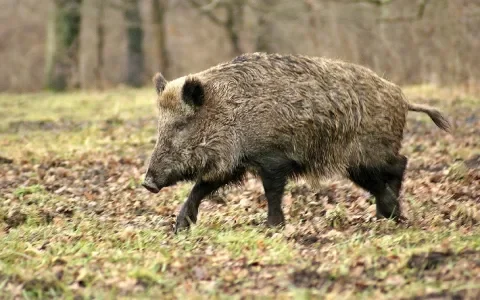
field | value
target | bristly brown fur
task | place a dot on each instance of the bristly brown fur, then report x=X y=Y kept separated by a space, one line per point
x=323 y=113
x=322 y=116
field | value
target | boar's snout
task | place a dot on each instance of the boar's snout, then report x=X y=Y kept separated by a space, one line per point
x=149 y=184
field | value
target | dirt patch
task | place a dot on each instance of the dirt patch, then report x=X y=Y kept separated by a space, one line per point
x=14 y=219
x=5 y=160
x=306 y=239
x=70 y=125
x=37 y=284
x=473 y=162
x=428 y=261
x=34 y=286
x=449 y=295
x=428 y=168
x=45 y=125
x=311 y=279
x=431 y=260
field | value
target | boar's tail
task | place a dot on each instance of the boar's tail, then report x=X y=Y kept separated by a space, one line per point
x=433 y=113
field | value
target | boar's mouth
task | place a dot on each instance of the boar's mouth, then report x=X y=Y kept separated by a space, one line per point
x=151 y=189
x=154 y=187
x=151 y=186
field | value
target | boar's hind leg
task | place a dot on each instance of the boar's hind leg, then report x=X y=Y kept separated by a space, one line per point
x=384 y=183
x=201 y=189
x=395 y=174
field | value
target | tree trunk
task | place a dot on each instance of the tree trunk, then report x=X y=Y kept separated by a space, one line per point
x=135 y=55
x=63 y=44
x=234 y=23
x=159 y=10
x=264 y=41
x=99 y=78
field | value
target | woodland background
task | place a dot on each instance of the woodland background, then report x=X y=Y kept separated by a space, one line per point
x=97 y=44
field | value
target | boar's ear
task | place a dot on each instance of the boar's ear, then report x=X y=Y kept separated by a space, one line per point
x=160 y=82
x=193 y=92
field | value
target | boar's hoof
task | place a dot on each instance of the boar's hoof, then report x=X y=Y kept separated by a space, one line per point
x=388 y=206
x=275 y=220
x=394 y=216
x=393 y=213
x=182 y=223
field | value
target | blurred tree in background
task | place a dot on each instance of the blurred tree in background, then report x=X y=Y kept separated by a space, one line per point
x=159 y=20
x=100 y=31
x=265 y=39
x=231 y=23
x=135 y=56
x=63 y=44
x=104 y=43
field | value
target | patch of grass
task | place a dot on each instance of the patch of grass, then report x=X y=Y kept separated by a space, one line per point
x=27 y=190
x=78 y=106
x=458 y=170
x=254 y=245
x=77 y=143
x=75 y=221
x=336 y=217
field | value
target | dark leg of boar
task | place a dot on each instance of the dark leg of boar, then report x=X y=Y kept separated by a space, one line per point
x=395 y=176
x=188 y=213
x=274 y=186
x=274 y=172
x=201 y=189
x=384 y=183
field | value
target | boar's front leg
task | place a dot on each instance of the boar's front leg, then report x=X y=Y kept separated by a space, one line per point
x=274 y=187
x=188 y=213
x=274 y=173
x=201 y=189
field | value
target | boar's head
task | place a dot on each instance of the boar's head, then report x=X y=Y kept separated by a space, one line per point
x=178 y=153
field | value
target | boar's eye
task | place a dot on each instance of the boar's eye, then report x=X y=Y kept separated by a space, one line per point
x=179 y=125
x=193 y=92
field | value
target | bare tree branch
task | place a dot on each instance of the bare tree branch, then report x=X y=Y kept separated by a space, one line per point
x=373 y=2
x=120 y=6
x=212 y=5
x=421 y=8
x=207 y=10
x=418 y=16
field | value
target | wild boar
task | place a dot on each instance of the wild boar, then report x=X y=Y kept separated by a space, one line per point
x=281 y=117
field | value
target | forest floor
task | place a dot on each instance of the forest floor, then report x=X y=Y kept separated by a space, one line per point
x=76 y=223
